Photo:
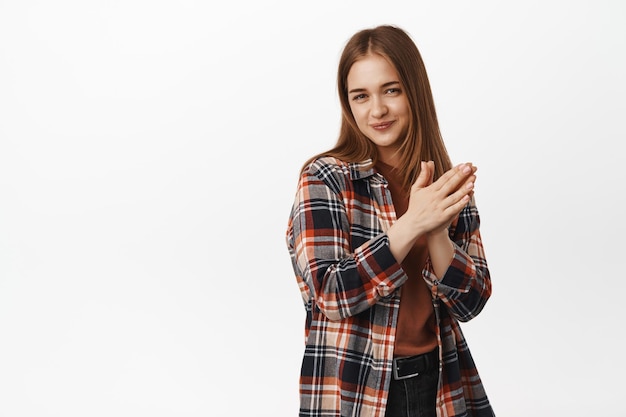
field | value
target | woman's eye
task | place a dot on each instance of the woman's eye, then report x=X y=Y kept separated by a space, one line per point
x=358 y=97
x=393 y=91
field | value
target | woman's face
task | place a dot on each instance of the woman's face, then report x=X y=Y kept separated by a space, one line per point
x=378 y=103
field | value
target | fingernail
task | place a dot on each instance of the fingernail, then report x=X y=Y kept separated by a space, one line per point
x=470 y=185
x=466 y=169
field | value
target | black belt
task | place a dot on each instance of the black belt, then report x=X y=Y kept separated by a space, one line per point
x=411 y=366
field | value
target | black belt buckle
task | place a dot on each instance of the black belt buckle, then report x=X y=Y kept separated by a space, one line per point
x=398 y=377
x=409 y=367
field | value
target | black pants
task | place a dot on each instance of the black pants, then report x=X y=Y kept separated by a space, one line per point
x=413 y=397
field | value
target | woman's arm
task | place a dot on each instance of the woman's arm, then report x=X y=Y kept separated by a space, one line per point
x=340 y=281
x=444 y=211
x=465 y=285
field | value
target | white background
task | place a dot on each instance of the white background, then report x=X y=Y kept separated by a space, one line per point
x=148 y=158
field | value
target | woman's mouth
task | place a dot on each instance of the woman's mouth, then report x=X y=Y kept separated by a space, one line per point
x=381 y=126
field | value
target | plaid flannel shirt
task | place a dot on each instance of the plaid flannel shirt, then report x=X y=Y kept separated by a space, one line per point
x=350 y=284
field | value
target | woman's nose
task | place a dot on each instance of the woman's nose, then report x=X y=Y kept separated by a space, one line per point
x=379 y=109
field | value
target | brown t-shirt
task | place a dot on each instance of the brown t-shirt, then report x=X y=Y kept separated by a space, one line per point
x=415 y=332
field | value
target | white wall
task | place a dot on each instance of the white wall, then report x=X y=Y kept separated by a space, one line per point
x=148 y=158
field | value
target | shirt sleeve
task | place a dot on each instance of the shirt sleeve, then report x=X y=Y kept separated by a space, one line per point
x=466 y=285
x=340 y=280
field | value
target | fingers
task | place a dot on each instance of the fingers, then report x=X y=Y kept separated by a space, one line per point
x=454 y=178
x=454 y=209
x=422 y=178
x=425 y=177
x=460 y=196
x=434 y=204
x=452 y=181
x=431 y=170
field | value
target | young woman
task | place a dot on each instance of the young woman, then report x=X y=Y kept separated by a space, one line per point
x=385 y=244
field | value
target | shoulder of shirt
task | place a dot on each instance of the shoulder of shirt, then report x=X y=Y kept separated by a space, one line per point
x=329 y=165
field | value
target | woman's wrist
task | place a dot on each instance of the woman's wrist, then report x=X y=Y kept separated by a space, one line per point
x=438 y=234
x=441 y=250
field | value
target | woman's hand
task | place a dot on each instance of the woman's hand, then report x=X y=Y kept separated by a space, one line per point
x=433 y=205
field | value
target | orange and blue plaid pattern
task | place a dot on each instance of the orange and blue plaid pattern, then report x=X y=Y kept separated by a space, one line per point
x=350 y=285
